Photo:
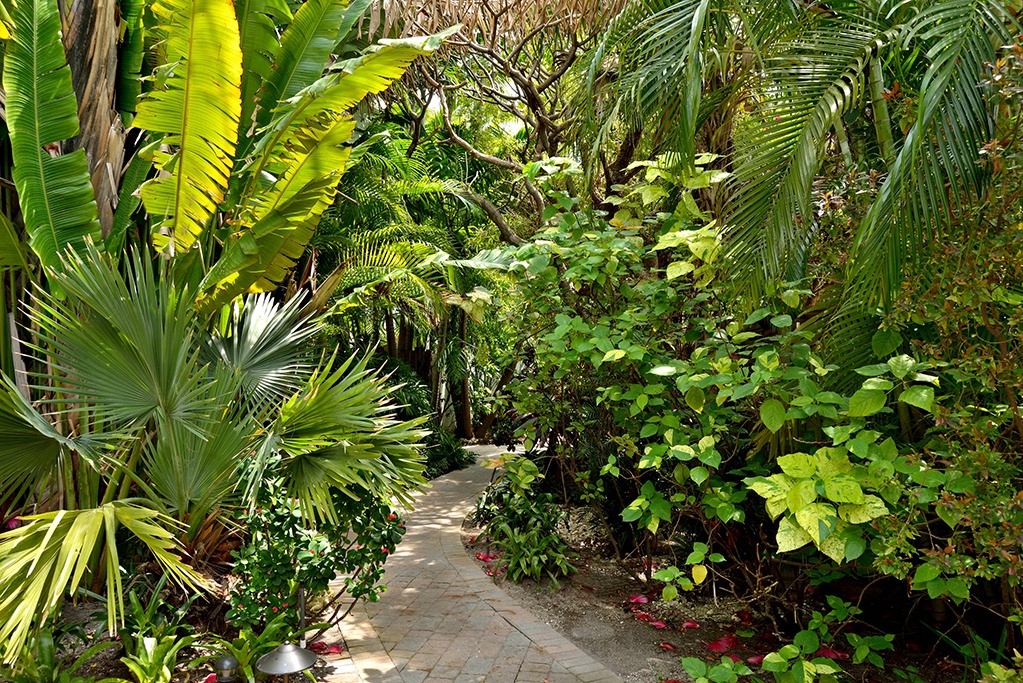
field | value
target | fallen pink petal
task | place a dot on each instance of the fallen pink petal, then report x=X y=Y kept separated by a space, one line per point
x=688 y=624
x=334 y=649
x=723 y=644
x=658 y=624
x=830 y=653
x=668 y=647
x=639 y=599
x=755 y=660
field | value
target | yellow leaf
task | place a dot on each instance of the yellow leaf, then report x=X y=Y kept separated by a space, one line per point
x=699 y=574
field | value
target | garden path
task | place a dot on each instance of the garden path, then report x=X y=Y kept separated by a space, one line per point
x=442 y=620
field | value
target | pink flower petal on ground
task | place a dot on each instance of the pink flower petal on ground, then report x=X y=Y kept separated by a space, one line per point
x=744 y=615
x=668 y=647
x=486 y=557
x=831 y=653
x=723 y=644
x=755 y=660
x=671 y=680
x=643 y=616
x=658 y=624
x=318 y=646
x=734 y=658
x=212 y=678
x=334 y=649
x=688 y=624
x=639 y=599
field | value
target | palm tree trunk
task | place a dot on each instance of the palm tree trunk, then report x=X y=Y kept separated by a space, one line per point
x=843 y=144
x=392 y=347
x=90 y=43
x=879 y=105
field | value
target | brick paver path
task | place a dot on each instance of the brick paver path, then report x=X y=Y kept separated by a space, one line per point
x=443 y=619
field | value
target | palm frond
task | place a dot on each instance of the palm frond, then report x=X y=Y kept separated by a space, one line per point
x=46 y=560
x=340 y=432
x=811 y=82
x=266 y=345
x=936 y=168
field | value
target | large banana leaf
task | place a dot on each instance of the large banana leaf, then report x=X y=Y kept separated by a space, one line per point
x=198 y=108
x=302 y=152
x=258 y=38
x=45 y=561
x=54 y=191
x=261 y=255
x=301 y=59
x=338 y=92
x=12 y=252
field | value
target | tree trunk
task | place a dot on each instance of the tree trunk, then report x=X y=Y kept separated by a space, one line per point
x=463 y=408
x=488 y=419
x=90 y=42
x=392 y=347
x=879 y=105
x=843 y=144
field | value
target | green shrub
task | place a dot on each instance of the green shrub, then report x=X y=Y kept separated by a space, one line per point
x=444 y=453
x=283 y=551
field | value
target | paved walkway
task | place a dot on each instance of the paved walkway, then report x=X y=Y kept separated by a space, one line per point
x=443 y=619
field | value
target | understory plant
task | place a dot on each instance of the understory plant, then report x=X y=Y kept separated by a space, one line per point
x=42 y=660
x=666 y=402
x=332 y=559
x=523 y=524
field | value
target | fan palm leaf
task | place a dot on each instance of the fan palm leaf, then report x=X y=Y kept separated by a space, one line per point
x=46 y=560
x=265 y=344
x=340 y=431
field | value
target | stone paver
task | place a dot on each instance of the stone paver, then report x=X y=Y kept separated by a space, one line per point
x=442 y=620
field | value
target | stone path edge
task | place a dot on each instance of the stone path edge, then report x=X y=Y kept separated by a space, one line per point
x=368 y=653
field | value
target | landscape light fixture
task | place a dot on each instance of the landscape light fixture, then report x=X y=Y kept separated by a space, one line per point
x=226 y=668
x=289 y=658
x=284 y=660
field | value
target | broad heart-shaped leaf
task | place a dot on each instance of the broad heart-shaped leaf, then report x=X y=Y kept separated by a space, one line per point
x=918 y=395
x=871 y=508
x=818 y=520
x=798 y=465
x=790 y=536
x=884 y=342
x=866 y=402
x=198 y=110
x=55 y=193
x=772 y=414
x=843 y=488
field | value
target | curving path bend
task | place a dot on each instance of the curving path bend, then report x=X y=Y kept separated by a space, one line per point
x=442 y=619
